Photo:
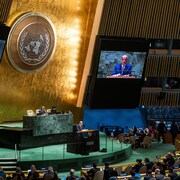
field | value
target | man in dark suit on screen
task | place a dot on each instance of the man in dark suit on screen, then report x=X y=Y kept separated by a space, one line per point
x=122 y=69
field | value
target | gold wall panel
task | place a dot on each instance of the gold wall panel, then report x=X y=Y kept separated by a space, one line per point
x=58 y=83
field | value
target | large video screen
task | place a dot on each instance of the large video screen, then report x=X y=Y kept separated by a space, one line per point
x=111 y=64
x=117 y=73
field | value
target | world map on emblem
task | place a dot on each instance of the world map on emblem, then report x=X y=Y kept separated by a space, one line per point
x=34 y=46
x=34 y=38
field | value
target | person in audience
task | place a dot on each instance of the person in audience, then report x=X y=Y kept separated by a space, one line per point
x=92 y=171
x=135 y=130
x=71 y=175
x=114 y=175
x=169 y=160
x=161 y=131
x=148 y=175
x=148 y=163
x=137 y=166
x=107 y=171
x=2 y=173
x=158 y=165
x=116 y=132
x=33 y=174
x=174 y=131
x=18 y=175
x=50 y=174
x=152 y=132
x=81 y=126
x=158 y=175
x=141 y=137
x=173 y=175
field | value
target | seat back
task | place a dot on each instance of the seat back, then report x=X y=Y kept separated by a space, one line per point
x=177 y=163
x=118 y=170
x=131 y=139
x=146 y=141
x=121 y=138
x=30 y=113
x=128 y=170
x=37 y=111
x=167 y=178
x=48 y=111
x=143 y=170
x=99 y=175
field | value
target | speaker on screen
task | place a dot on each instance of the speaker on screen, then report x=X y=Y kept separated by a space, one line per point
x=113 y=85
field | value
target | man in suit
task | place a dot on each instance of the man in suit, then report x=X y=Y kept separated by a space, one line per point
x=43 y=111
x=92 y=171
x=161 y=130
x=122 y=69
x=80 y=126
x=107 y=171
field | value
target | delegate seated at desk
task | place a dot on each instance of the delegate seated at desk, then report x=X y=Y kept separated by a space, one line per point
x=42 y=111
x=122 y=69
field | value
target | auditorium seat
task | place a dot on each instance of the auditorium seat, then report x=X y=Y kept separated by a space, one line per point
x=128 y=170
x=30 y=113
x=143 y=170
x=177 y=143
x=146 y=142
x=37 y=111
x=118 y=170
x=99 y=175
x=177 y=163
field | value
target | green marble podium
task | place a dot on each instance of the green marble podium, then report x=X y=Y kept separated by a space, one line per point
x=49 y=124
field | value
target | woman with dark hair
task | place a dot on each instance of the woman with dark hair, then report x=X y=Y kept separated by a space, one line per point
x=18 y=175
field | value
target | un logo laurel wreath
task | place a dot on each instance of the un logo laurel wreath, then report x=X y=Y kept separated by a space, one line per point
x=31 y=42
x=39 y=54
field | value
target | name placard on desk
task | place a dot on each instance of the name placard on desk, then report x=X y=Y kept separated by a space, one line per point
x=121 y=77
